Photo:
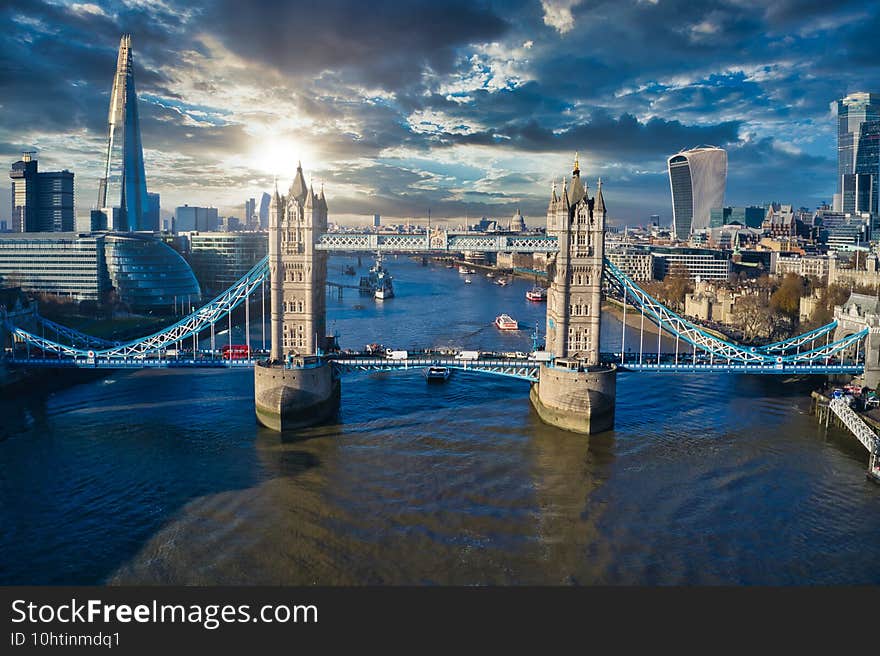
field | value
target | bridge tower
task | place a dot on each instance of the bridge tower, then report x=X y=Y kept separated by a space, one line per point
x=576 y=392
x=295 y=388
x=859 y=312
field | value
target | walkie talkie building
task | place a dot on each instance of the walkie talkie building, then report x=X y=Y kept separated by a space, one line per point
x=697 y=179
x=124 y=184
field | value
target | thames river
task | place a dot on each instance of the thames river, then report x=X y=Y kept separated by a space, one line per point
x=165 y=477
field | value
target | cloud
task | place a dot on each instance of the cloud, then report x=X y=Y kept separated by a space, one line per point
x=557 y=14
x=465 y=107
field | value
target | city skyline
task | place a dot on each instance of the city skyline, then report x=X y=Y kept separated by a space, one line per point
x=471 y=112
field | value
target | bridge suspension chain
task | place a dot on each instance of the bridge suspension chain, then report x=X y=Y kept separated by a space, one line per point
x=679 y=327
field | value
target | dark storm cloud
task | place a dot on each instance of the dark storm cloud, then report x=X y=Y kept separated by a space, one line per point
x=627 y=82
x=385 y=42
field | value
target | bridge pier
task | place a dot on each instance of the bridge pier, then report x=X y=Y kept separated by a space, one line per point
x=576 y=398
x=298 y=396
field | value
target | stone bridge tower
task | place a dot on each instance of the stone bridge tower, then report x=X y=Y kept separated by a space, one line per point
x=298 y=271
x=576 y=392
x=859 y=312
x=294 y=388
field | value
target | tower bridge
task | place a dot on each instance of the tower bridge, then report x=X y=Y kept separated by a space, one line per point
x=297 y=376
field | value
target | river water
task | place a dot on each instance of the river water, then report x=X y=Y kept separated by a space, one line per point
x=165 y=477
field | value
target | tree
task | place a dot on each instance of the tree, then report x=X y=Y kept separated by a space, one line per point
x=787 y=298
x=753 y=316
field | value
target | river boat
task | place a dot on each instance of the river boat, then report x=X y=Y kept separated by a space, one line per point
x=437 y=374
x=501 y=282
x=537 y=294
x=506 y=322
x=462 y=269
x=467 y=281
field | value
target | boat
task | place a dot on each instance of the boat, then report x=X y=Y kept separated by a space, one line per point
x=490 y=275
x=437 y=374
x=378 y=283
x=467 y=281
x=472 y=270
x=462 y=269
x=501 y=281
x=506 y=322
x=537 y=294
x=384 y=288
x=450 y=266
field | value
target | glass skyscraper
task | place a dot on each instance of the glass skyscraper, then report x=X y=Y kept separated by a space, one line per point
x=124 y=180
x=858 y=153
x=697 y=179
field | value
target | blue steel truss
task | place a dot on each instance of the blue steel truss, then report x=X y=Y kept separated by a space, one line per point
x=694 y=335
x=710 y=352
x=193 y=324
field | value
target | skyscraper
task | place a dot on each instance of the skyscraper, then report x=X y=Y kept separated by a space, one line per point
x=152 y=222
x=250 y=212
x=697 y=179
x=264 y=211
x=41 y=202
x=858 y=153
x=124 y=180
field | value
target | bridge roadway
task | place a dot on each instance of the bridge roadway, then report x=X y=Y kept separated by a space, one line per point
x=496 y=364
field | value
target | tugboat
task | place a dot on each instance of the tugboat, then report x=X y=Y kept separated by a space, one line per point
x=537 y=294
x=437 y=374
x=506 y=322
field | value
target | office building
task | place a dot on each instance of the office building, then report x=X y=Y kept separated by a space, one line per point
x=697 y=179
x=221 y=258
x=702 y=263
x=264 y=211
x=377 y=221
x=751 y=217
x=151 y=220
x=41 y=202
x=858 y=153
x=635 y=262
x=138 y=271
x=124 y=183
x=189 y=218
x=250 y=214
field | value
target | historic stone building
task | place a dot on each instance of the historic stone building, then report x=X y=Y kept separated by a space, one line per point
x=575 y=294
x=298 y=299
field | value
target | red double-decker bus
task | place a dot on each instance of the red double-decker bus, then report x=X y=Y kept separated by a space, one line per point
x=236 y=352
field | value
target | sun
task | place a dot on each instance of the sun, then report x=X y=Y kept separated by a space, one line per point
x=279 y=157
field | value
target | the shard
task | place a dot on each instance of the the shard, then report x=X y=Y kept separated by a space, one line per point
x=124 y=184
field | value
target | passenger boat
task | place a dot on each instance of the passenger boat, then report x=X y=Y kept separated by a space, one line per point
x=472 y=270
x=490 y=275
x=501 y=281
x=462 y=269
x=537 y=294
x=437 y=374
x=506 y=322
x=467 y=281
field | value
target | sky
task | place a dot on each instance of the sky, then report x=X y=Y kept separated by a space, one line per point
x=468 y=108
